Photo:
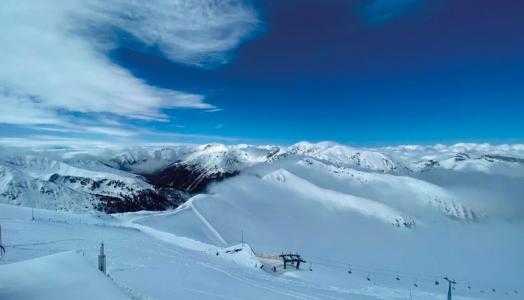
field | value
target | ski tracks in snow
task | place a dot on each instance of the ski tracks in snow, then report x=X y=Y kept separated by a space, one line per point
x=291 y=290
x=208 y=225
x=167 y=237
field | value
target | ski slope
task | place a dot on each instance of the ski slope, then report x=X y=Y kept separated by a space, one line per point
x=65 y=275
x=146 y=265
x=343 y=209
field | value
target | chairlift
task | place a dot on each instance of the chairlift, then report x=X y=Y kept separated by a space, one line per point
x=416 y=283
x=349 y=270
x=436 y=282
x=310 y=266
x=469 y=286
x=368 y=279
x=397 y=278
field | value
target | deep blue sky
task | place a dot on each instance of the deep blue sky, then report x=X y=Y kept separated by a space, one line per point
x=437 y=71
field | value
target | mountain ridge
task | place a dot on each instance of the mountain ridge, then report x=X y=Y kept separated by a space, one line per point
x=163 y=177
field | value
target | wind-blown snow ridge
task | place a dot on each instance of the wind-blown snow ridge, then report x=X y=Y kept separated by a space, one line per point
x=336 y=200
x=423 y=193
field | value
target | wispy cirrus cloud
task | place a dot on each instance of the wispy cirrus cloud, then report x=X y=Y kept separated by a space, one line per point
x=190 y=31
x=42 y=141
x=115 y=131
x=378 y=11
x=54 y=58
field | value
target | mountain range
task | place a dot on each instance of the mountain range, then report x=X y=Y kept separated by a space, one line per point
x=394 y=184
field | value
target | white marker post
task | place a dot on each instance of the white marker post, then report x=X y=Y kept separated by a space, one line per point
x=102 y=259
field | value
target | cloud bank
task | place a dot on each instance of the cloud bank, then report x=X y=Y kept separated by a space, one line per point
x=54 y=63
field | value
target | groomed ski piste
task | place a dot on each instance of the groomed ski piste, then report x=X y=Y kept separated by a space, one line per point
x=185 y=254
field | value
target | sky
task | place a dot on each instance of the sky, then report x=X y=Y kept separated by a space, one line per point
x=361 y=72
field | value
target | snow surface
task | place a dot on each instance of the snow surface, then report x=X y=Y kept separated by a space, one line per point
x=149 y=263
x=447 y=179
x=65 y=275
x=337 y=206
x=334 y=200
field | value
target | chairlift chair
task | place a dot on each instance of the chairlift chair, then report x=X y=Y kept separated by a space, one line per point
x=349 y=270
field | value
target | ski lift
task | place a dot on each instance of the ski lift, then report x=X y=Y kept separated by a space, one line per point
x=416 y=283
x=436 y=282
x=469 y=286
x=367 y=278
x=310 y=266
x=349 y=270
x=397 y=278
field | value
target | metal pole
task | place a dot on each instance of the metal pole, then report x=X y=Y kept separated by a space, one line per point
x=450 y=282
x=2 y=249
x=102 y=259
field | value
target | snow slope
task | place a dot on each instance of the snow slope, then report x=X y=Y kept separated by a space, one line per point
x=59 y=276
x=340 y=155
x=335 y=200
x=340 y=207
x=277 y=219
x=145 y=266
x=417 y=178
x=37 y=180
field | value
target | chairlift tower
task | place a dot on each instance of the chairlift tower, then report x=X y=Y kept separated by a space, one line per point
x=292 y=258
x=450 y=283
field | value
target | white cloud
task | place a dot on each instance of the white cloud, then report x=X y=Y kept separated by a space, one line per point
x=383 y=10
x=89 y=129
x=214 y=110
x=53 y=59
x=21 y=109
x=190 y=31
x=42 y=142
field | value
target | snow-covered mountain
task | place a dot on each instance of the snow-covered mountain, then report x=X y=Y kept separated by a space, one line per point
x=407 y=179
x=339 y=155
x=382 y=223
x=37 y=180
